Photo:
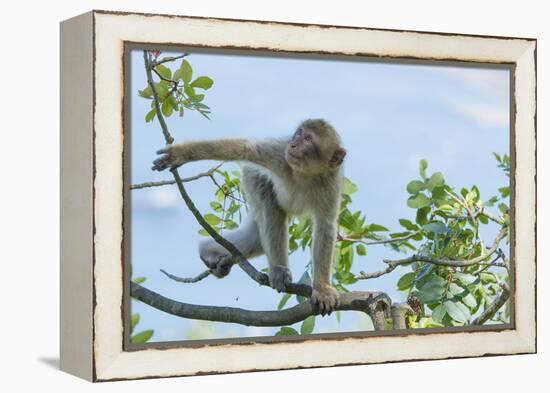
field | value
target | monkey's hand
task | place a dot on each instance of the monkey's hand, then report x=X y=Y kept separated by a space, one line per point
x=168 y=159
x=219 y=262
x=324 y=298
x=279 y=277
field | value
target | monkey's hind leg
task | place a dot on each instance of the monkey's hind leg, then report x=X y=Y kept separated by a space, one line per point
x=272 y=224
x=218 y=259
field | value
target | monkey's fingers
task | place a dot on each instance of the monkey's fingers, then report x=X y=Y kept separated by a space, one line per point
x=160 y=164
x=163 y=150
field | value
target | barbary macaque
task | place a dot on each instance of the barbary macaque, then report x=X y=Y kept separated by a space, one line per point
x=294 y=176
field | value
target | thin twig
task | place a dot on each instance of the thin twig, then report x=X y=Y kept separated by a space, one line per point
x=366 y=276
x=167 y=137
x=444 y=262
x=187 y=280
x=208 y=173
x=385 y=241
x=168 y=59
x=165 y=79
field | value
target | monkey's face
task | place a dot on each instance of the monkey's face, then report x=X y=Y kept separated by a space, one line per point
x=313 y=152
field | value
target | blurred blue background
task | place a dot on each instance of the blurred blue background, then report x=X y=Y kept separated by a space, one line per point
x=389 y=116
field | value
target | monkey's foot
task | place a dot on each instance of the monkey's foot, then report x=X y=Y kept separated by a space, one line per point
x=279 y=277
x=325 y=299
x=219 y=263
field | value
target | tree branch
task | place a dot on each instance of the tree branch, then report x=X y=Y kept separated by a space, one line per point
x=399 y=314
x=375 y=304
x=492 y=308
x=444 y=262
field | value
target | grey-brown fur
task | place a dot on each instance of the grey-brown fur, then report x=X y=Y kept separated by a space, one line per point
x=295 y=176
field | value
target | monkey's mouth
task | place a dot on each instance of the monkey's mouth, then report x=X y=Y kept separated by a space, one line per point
x=294 y=156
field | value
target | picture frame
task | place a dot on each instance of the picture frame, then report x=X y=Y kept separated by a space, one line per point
x=94 y=188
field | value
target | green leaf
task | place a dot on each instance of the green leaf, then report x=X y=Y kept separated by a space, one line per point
x=146 y=93
x=407 y=224
x=197 y=98
x=150 y=115
x=361 y=249
x=167 y=108
x=212 y=219
x=162 y=89
x=455 y=289
x=422 y=166
x=464 y=278
x=287 y=331
x=435 y=180
x=455 y=311
x=186 y=71
x=349 y=187
x=487 y=278
x=203 y=82
x=432 y=290
x=415 y=186
x=429 y=323
x=418 y=201
x=216 y=206
x=439 y=313
x=425 y=271
x=438 y=192
x=465 y=310
x=305 y=279
x=230 y=224
x=406 y=280
x=142 y=337
x=476 y=193
x=422 y=215
x=376 y=228
x=164 y=71
x=134 y=320
x=436 y=227
x=189 y=91
x=308 y=325
x=139 y=280
x=203 y=232
x=504 y=191
x=283 y=301
x=469 y=300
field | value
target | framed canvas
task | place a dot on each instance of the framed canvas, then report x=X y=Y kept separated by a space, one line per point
x=366 y=195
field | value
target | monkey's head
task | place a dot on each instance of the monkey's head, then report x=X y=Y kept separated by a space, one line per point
x=315 y=148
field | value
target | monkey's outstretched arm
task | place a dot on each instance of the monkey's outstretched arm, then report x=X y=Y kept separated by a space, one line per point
x=269 y=154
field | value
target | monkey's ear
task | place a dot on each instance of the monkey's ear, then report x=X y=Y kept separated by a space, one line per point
x=337 y=157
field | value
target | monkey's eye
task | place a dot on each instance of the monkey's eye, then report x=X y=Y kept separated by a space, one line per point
x=308 y=138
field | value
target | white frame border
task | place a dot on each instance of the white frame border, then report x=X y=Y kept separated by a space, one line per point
x=111 y=30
